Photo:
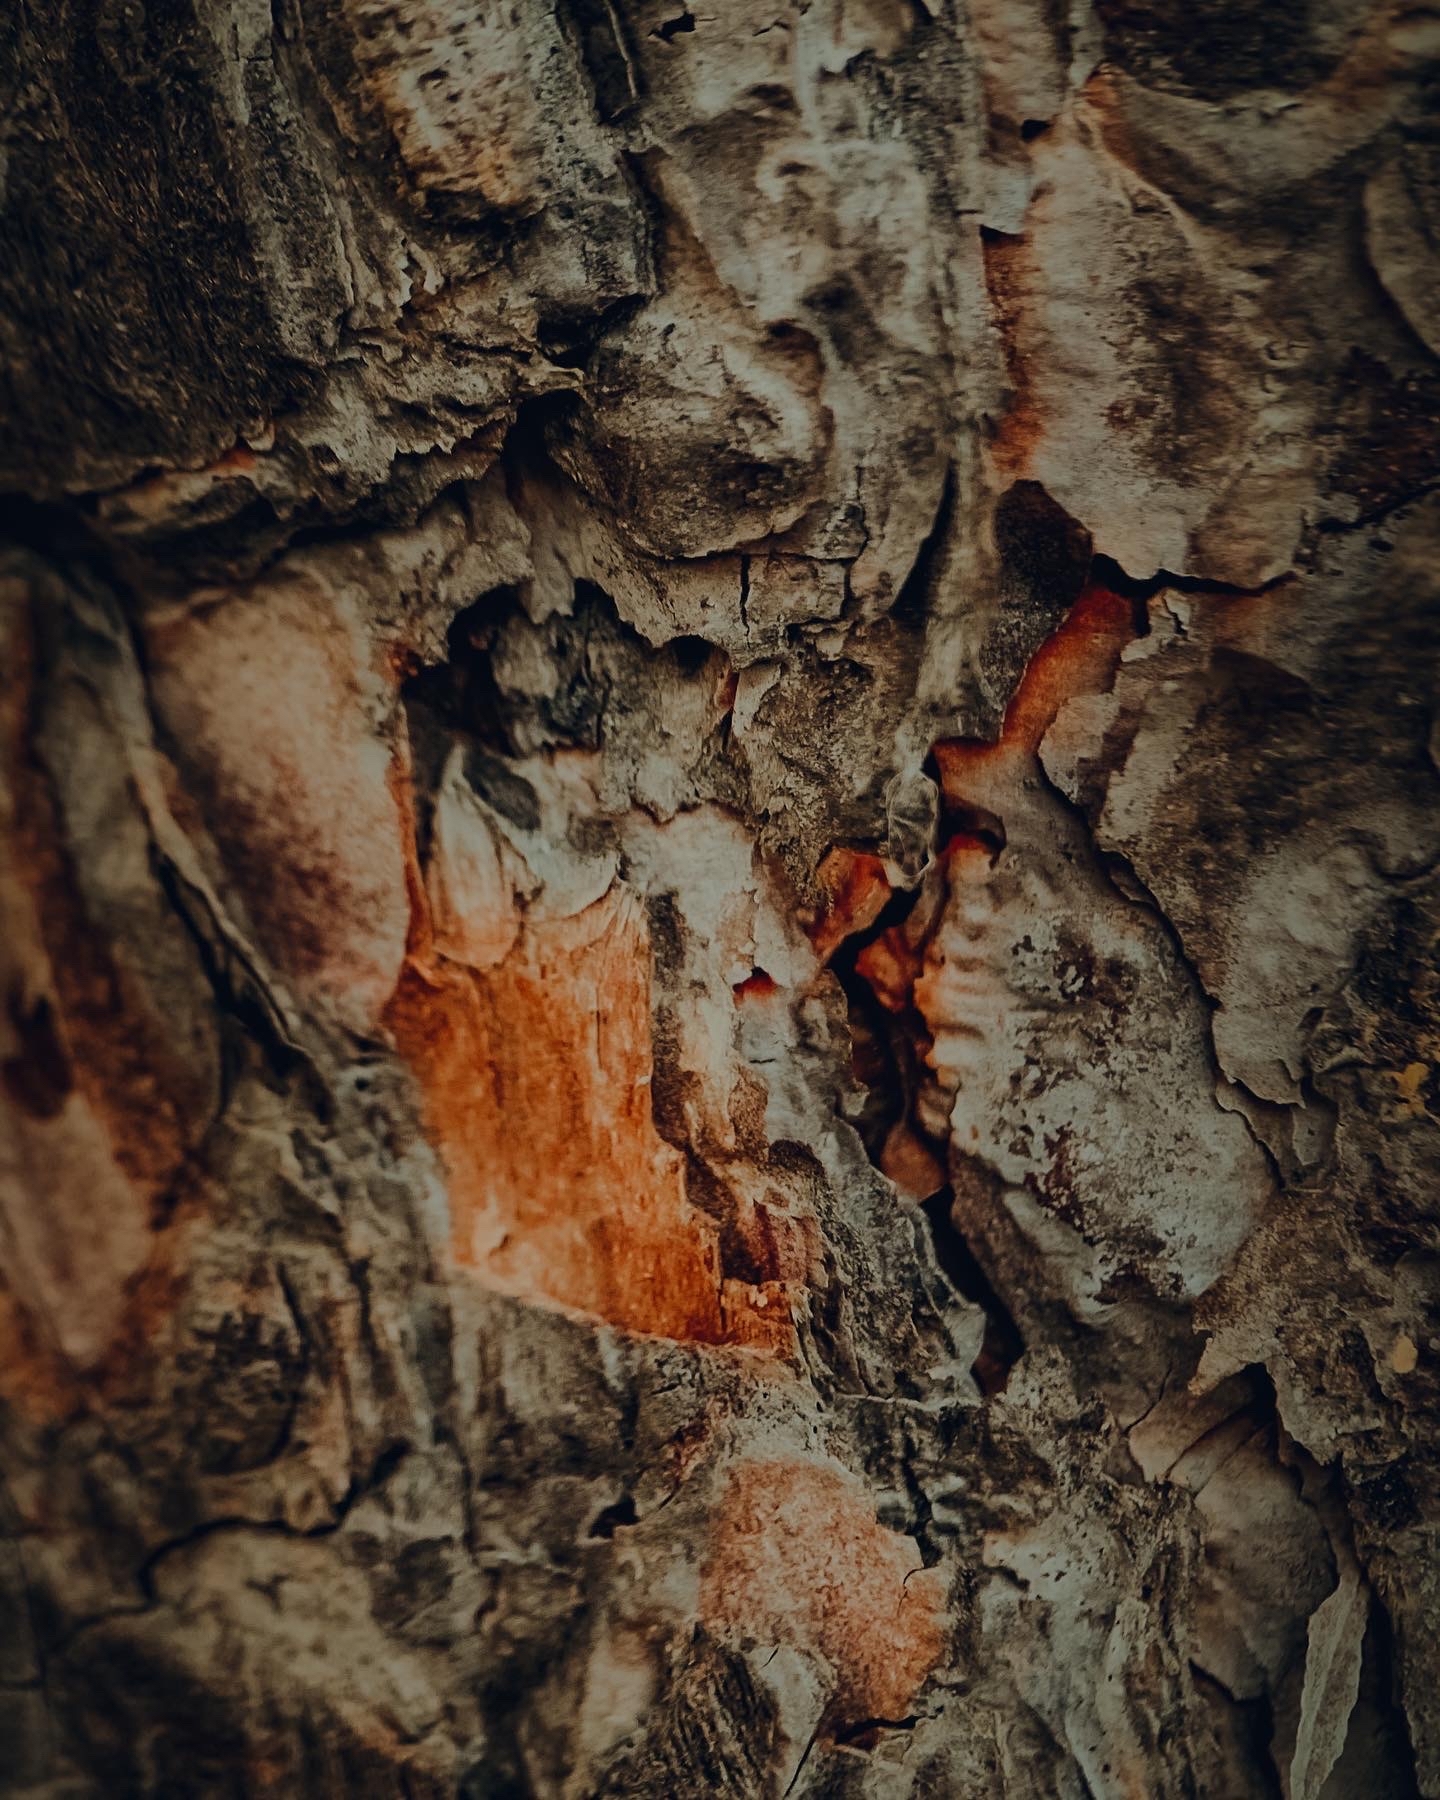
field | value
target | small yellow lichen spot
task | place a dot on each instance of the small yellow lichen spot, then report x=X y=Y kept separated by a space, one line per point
x=1408 y=1082
x=1405 y=1355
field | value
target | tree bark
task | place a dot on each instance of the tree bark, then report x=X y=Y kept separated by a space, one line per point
x=718 y=921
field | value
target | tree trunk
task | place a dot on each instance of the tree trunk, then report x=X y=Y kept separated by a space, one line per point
x=718 y=917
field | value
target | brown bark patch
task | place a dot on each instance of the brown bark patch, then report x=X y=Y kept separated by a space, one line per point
x=535 y=1075
x=1078 y=658
x=1008 y=278
x=278 y=718
x=797 y=1557
x=853 y=891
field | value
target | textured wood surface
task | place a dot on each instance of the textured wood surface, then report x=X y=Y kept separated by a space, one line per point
x=719 y=810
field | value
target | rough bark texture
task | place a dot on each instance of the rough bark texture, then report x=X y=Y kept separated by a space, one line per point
x=718 y=913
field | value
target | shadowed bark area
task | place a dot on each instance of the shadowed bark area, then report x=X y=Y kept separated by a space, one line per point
x=719 y=922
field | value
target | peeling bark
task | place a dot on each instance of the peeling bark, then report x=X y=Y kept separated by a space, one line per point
x=718 y=909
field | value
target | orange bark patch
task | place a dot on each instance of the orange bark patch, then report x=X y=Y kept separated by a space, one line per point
x=1079 y=658
x=535 y=1075
x=34 y=1378
x=854 y=889
x=910 y=1163
x=757 y=985
x=1103 y=100
x=797 y=1557
x=890 y=965
x=235 y=461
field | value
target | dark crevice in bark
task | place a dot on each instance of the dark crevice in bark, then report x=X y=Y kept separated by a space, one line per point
x=613 y=1517
x=886 y=1064
x=59 y=531
x=40 y=1078
x=1380 y=1694
x=455 y=699
x=570 y=343
x=1002 y=1346
x=864 y=1734
x=606 y=55
x=242 y=996
x=913 y=604
x=1256 y=1719
x=669 y=29
x=1110 y=574
x=1332 y=527
x=882 y=1047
